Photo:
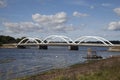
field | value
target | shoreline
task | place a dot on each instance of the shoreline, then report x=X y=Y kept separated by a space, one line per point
x=77 y=70
x=114 y=49
x=8 y=46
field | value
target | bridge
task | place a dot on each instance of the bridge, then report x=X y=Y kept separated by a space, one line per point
x=61 y=41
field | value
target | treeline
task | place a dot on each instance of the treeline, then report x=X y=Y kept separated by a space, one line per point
x=9 y=39
x=99 y=42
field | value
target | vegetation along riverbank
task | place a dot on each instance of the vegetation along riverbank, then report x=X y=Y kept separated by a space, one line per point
x=106 y=69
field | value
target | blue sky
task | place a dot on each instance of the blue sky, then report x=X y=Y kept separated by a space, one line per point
x=72 y=18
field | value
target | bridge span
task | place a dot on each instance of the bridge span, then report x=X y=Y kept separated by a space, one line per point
x=71 y=46
x=63 y=44
x=115 y=47
x=65 y=41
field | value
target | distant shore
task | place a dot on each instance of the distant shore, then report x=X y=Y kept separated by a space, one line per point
x=114 y=48
x=106 y=69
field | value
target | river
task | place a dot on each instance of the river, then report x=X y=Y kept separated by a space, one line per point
x=16 y=63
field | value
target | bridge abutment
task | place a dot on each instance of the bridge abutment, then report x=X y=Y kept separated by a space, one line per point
x=73 y=47
x=43 y=47
x=21 y=47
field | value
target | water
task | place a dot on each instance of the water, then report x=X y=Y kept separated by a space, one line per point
x=21 y=62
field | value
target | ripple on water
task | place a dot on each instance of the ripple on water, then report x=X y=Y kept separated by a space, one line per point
x=6 y=60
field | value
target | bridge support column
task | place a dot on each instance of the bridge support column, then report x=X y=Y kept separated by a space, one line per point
x=21 y=47
x=43 y=47
x=73 y=47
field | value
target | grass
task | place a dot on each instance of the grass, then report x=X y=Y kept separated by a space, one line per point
x=108 y=69
x=105 y=73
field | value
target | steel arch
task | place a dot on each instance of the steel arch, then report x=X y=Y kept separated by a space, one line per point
x=29 y=39
x=64 y=38
x=80 y=39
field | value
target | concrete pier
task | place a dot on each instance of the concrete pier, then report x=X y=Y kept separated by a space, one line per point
x=72 y=47
x=43 y=47
x=21 y=47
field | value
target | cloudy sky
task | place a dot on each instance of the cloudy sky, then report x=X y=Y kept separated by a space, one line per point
x=72 y=18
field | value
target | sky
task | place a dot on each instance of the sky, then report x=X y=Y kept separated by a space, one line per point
x=72 y=18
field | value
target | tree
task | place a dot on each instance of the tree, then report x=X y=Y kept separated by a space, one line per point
x=7 y=39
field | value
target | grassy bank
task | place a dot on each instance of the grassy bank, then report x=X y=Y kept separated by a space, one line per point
x=107 y=69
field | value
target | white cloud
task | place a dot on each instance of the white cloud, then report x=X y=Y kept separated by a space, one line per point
x=78 y=14
x=3 y=3
x=64 y=28
x=78 y=2
x=115 y=26
x=83 y=3
x=106 y=4
x=92 y=7
x=42 y=23
x=22 y=27
x=50 y=20
x=117 y=10
x=56 y=22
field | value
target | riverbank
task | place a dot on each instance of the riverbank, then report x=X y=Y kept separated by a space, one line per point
x=106 y=69
x=8 y=46
x=114 y=48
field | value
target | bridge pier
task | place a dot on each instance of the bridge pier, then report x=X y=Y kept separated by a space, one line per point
x=43 y=47
x=21 y=47
x=73 y=47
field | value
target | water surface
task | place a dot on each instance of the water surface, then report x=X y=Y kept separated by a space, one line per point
x=21 y=62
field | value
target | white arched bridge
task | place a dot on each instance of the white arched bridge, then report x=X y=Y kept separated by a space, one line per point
x=59 y=40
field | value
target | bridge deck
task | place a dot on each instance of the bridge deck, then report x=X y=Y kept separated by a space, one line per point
x=63 y=44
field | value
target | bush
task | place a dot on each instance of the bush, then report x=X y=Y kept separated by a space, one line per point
x=1 y=44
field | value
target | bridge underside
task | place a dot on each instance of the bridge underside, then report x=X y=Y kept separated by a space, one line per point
x=45 y=47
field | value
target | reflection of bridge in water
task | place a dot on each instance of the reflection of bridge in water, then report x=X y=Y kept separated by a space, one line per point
x=61 y=41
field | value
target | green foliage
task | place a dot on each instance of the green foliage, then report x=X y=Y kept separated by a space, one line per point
x=6 y=39
x=1 y=44
x=9 y=39
x=19 y=39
